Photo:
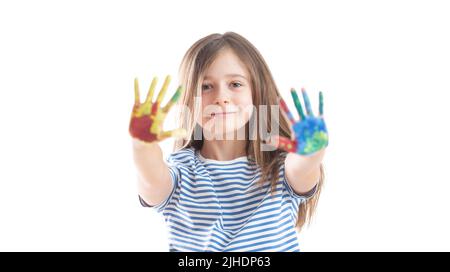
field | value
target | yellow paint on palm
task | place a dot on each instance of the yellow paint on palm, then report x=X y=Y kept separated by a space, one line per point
x=157 y=122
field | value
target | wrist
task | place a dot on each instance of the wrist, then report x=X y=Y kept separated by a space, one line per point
x=138 y=144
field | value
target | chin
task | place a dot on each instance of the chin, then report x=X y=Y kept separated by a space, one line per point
x=217 y=129
x=229 y=133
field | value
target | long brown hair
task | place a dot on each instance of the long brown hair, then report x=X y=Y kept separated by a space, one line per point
x=193 y=66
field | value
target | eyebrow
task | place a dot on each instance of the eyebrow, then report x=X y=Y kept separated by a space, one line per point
x=230 y=75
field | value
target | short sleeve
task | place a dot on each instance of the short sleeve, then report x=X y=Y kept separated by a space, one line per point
x=175 y=176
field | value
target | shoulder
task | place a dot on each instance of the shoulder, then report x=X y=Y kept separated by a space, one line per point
x=185 y=157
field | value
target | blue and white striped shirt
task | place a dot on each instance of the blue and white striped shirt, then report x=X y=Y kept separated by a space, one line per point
x=221 y=206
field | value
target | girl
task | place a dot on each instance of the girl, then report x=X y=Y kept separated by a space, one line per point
x=223 y=189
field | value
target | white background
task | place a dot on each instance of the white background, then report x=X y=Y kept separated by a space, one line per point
x=67 y=179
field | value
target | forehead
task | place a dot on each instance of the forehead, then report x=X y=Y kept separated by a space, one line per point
x=227 y=64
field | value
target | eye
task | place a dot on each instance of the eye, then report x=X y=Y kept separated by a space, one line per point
x=236 y=84
x=205 y=87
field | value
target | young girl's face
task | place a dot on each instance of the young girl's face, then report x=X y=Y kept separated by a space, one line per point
x=226 y=97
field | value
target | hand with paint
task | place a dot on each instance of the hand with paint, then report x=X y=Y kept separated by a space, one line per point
x=147 y=118
x=310 y=132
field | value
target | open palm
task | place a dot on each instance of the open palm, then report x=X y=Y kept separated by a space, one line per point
x=310 y=132
x=147 y=119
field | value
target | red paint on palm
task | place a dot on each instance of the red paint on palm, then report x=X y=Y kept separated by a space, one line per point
x=140 y=129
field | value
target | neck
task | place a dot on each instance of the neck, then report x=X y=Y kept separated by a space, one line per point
x=223 y=150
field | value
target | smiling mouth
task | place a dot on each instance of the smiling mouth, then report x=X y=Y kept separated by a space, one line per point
x=221 y=113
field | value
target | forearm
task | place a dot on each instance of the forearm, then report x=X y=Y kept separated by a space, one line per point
x=303 y=172
x=149 y=161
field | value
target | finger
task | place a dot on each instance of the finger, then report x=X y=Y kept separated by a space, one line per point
x=163 y=90
x=287 y=111
x=173 y=100
x=284 y=143
x=137 y=99
x=177 y=133
x=151 y=90
x=297 y=103
x=307 y=103
x=320 y=104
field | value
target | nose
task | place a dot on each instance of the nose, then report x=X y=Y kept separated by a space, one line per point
x=220 y=101
x=222 y=98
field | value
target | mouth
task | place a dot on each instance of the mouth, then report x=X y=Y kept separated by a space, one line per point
x=221 y=113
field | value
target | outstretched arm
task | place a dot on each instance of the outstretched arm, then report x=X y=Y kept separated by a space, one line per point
x=154 y=184
x=307 y=148
x=302 y=172
x=154 y=181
